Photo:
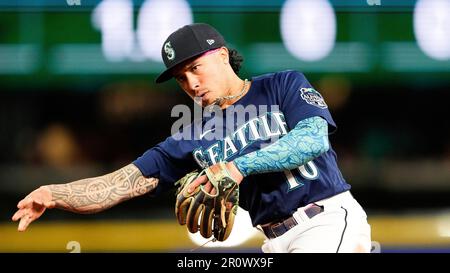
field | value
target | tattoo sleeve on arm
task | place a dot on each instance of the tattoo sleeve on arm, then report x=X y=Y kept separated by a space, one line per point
x=306 y=141
x=99 y=193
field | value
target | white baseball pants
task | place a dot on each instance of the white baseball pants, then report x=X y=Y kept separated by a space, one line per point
x=341 y=228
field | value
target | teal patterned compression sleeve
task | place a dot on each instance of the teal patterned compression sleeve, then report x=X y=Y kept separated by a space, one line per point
x=305 y=142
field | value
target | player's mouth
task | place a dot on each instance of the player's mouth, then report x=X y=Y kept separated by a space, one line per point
x=201 y=93
x=204 y=96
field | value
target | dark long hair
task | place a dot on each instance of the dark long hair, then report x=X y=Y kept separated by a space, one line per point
x=235 y=60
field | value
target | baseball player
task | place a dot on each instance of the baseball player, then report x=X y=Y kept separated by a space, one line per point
x=278 y=153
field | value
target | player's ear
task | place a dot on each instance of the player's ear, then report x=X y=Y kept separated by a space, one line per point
x=224 y=54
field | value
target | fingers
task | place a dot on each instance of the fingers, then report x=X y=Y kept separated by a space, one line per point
x=202 y=180
x=24 y=222
x=25 y=219
x=18 y=215
x=197 y=182
x=28 y=213
x=207 y=187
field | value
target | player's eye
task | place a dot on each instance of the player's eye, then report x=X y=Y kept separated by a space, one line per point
x=180 y=78
x=195 y=67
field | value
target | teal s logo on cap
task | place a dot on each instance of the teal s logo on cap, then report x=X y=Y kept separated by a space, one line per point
x=170 y=53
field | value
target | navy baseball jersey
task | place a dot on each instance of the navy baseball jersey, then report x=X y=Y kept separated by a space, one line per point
x=275 y=103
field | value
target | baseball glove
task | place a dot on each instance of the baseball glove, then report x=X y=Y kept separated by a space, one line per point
x=212 y=214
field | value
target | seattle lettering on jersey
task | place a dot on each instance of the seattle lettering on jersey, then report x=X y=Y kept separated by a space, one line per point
x=270 y=125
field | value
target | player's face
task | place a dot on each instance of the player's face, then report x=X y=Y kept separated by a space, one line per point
x=205 y=77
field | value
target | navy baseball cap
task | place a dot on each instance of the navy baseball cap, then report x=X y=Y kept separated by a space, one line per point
x=187 y=42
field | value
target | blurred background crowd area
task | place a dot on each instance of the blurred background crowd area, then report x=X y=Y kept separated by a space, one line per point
x=77 y=100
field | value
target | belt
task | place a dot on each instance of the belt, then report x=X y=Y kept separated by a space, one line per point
x=277 y=229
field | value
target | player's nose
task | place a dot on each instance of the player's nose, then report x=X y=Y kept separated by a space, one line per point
x=193 y=84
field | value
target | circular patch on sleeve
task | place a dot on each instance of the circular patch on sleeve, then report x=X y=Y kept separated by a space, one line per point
x=311 y=96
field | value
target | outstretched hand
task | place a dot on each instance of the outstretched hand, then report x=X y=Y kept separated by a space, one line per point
x=33 y=206
x=234 y=172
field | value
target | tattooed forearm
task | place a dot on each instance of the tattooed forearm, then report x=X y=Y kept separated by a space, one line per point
x=306 y=141
x=99 y=193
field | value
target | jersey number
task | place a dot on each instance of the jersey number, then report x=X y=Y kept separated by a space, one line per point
x=296 y=176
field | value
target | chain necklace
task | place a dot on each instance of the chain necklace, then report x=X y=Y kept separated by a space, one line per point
x=220 y=100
